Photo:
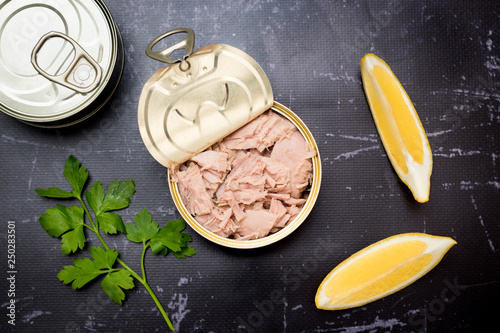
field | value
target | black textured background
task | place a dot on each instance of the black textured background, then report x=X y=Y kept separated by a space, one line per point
x=446 y=55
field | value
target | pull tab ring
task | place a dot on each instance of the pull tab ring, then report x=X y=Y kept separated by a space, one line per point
x=164 y=55
x=83 y=73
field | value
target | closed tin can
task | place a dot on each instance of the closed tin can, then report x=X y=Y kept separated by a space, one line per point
x=202 y=98
x=60 y=60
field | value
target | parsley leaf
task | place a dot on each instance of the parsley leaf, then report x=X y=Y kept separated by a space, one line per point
x=187 y=251
x=113 y=284
x=103 y=258
x=73 y=240
x=145 y=228
x=110 y=223
x=85 y=270
x=95 y=196
x=175 y=226
x=53 y=192
x=66 y=223
x=117 y=197
x=170 y=239
x=76 y=175
x=80 y=274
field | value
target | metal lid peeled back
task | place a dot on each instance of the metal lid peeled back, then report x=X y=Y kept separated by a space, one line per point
x=197 y=100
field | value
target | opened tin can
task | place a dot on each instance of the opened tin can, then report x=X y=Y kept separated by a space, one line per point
x=200 y=99
x=60 y=60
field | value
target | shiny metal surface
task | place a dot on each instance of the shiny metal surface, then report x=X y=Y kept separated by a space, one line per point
x=30 y=97
x=186 y=107
x=186 y=44
x=82 y=75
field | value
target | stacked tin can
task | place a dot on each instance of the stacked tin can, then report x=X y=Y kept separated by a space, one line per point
x=60 y=61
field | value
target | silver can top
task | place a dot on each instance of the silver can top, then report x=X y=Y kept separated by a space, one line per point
x=56 y=57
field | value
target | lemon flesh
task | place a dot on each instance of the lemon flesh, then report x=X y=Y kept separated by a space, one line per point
x=381 y=269
x=398 y=125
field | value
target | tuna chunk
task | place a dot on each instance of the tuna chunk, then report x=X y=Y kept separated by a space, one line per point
x=277 y=176
x=238 y=212
x=282 y=215
x=231 y=153
x=278 y=209
x=279 y=196
x=212 y=180
x=212 y=160
x=219 y=222
x=257 y=224
x=294 y=152
x=294 y=201
x=260 y=133
x=193 y=192
x=250 y=184
x=282 y=129
x=245 y=183
x=214 y=166
x=293 y=211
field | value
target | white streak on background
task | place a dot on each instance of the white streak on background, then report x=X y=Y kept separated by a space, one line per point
x=484 y=228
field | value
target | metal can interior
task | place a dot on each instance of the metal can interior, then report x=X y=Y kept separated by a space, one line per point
x=308 y=205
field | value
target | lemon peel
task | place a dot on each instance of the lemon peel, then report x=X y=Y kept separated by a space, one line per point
x=398 y=125
x=381 y=269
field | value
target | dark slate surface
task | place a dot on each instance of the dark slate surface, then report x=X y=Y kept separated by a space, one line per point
x=446 y=54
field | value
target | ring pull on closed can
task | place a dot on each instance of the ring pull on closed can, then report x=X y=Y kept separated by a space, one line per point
x=83 y=73
x=58 y=30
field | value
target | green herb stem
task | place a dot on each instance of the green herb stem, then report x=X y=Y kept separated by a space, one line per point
x=144 y=248
x=138 y=278
x=153 y=296
x=148 y=288
x=95 y=227
x=88 y=215
x=101 y=239
x=86 y=225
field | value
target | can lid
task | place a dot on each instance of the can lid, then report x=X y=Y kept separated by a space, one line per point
x=56 y=57
x=199 y=99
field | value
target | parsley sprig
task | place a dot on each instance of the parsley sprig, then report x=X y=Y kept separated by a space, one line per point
x=69 y=223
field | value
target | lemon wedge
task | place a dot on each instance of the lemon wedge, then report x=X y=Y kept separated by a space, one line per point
x=398 y=125
x=381 y=269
